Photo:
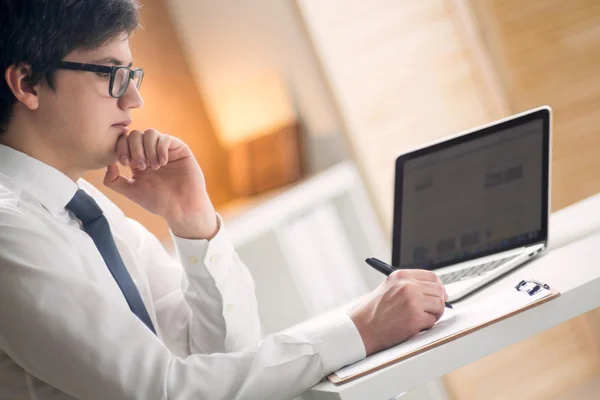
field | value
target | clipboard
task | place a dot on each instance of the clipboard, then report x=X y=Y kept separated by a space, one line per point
x=455 y=324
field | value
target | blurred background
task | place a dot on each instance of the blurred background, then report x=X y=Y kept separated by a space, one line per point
x=296 y=110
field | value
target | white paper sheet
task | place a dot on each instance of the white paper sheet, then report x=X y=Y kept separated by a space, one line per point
x=452 y=322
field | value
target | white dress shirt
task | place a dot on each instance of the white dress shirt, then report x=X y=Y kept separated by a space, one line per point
x=67 y=332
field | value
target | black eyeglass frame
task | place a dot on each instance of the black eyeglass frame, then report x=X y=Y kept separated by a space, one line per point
x=105 y=69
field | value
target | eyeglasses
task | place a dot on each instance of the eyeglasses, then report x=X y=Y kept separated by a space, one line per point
x=119 y=75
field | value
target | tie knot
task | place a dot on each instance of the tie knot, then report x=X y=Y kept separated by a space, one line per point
x=84 y=207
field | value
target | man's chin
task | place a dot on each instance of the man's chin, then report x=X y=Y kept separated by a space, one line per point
x=108 y=159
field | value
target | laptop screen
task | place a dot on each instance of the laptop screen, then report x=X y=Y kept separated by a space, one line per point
x=472 y=197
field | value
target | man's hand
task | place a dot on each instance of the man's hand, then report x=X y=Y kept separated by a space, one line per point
x=166 y=180
x=407 y=302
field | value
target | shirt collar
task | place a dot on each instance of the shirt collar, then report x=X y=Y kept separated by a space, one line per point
x=49 y=186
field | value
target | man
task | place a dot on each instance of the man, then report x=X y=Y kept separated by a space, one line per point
x=91 y=305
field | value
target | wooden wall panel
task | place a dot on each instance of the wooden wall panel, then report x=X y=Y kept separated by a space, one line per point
x=172 y=105
x=402 y=73
x=549 y=53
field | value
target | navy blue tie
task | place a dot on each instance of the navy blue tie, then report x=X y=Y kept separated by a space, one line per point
x=95 y=224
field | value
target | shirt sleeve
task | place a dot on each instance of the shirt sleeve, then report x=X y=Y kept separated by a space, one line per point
x=207 y=306
x=58 y=326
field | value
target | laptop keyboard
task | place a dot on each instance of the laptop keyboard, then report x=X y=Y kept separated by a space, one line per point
x=472 y=272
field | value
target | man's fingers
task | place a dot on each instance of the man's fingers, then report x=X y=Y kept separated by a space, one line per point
x=162 y=149
x=441 y=284
x=123 y=151
x=143 y=150
x=428 y=320
x=432 y=289
x=136 y=148
x=434 y=306
x=421 y=275
x=416 y=274
x=150 y=139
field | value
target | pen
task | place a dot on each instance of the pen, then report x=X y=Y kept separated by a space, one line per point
x=387 y=269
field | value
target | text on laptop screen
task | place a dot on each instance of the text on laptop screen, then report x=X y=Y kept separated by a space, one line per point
x=474 y=197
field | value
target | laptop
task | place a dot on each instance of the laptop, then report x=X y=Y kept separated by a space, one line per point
x=475 y=206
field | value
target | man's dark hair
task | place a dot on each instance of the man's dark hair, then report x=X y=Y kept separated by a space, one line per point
x=40 y=33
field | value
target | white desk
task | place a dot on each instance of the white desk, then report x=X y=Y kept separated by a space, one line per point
x=572 y=267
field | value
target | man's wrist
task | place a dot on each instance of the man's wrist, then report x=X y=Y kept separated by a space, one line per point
x=362 y=326
x=201 y=226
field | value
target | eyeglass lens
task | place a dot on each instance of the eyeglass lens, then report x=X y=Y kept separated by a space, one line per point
x=121 y=81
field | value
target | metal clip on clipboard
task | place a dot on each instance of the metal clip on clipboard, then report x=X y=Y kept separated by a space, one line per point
x=531 y=286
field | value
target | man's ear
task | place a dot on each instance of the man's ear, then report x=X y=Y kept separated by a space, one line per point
x=17 y=78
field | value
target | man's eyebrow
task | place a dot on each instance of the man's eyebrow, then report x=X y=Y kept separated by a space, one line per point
x=111 y=60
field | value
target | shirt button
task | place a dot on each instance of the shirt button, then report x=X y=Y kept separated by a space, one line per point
x=230 y=307
x=193 y=259
x=214 y=259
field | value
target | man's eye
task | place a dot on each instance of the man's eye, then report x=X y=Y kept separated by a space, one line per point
x=103 y=75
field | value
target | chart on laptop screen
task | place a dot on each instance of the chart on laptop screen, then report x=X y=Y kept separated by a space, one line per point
x=473 y=197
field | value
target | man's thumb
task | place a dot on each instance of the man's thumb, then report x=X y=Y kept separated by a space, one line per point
x=115 y=181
